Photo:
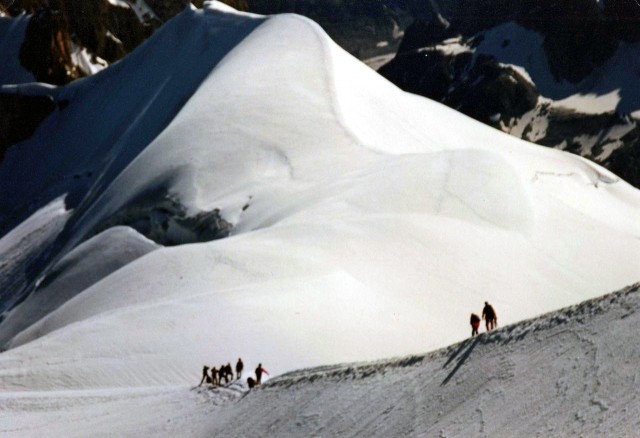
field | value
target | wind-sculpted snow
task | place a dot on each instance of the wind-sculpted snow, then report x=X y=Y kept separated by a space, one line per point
x=358 y=222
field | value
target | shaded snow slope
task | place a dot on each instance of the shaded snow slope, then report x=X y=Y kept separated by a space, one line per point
x=82 y=267
x=568 y=373
x=364 y=222
x=106 y=120
x=24 y=247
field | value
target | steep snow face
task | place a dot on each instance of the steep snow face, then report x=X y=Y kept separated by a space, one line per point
x=366 y=222
x=94 y=138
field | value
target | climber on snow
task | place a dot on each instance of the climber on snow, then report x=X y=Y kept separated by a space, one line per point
x=490 y=317
x=259 y=371
x=475 y=323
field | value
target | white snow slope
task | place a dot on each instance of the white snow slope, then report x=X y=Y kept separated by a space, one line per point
x=367 y=222
x=568 y=373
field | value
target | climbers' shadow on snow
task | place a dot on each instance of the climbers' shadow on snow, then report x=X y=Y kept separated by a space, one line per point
x=468 y=348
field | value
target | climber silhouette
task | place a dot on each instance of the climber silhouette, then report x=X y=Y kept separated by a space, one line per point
x=475 y=323
x=239 y=368
x=259 y=371
x=205 y=375
x=489 y=316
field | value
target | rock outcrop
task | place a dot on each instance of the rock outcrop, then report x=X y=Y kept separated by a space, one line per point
x=59 y=30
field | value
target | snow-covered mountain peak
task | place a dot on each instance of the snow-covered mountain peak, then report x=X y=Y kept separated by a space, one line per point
x=252 y=190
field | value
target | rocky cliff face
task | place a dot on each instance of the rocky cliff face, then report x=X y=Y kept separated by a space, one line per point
x=578 y=34
x=106 y=29
x=66 y=40
x=109 y=29
x=560 y=74
x=59 y=30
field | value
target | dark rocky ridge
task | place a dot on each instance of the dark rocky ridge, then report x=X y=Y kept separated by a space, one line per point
x=480 y=89
x=165 y=220
x=578 y=37
x=106 y=31
x=110 y=32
